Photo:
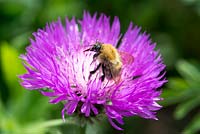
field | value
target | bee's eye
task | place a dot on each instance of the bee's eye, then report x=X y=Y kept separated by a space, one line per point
x=97 y=47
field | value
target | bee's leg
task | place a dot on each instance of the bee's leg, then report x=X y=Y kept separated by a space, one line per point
x=135 y=77
x=103 y=76
x=92 y=72
x=95 y=55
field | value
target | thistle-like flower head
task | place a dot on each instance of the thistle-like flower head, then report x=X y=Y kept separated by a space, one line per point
x=55 y=60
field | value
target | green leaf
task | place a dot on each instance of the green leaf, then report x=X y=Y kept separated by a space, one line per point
x=11 y=67
x=184 y=96
x=31 y=107
x=181 y=90
x=177 y=84
x=49 y=126
x=194 y=125
x=2 y=110
x=176 y=88
x=184 y=108
x=188 y=71
x=41 y=127
x=8 y=124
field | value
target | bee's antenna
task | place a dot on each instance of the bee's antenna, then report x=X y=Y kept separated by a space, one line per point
x=98 y=42
x=91 y=45
x=87 y=50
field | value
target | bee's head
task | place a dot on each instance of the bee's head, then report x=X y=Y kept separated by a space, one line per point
x=96 y=47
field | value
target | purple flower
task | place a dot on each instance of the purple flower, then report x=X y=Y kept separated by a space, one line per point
x=55 y=60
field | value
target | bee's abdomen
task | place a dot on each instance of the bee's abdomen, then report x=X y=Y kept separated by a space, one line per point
x=112 y=70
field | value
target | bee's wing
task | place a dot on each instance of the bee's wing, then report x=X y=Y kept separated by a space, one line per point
x=126 y=57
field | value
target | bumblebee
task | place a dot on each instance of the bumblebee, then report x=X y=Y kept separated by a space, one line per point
x=110 y=60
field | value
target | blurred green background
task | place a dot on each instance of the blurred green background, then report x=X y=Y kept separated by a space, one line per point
x=173 y=24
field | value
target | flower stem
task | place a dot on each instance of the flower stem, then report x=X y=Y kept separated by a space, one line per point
x=83 y=129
